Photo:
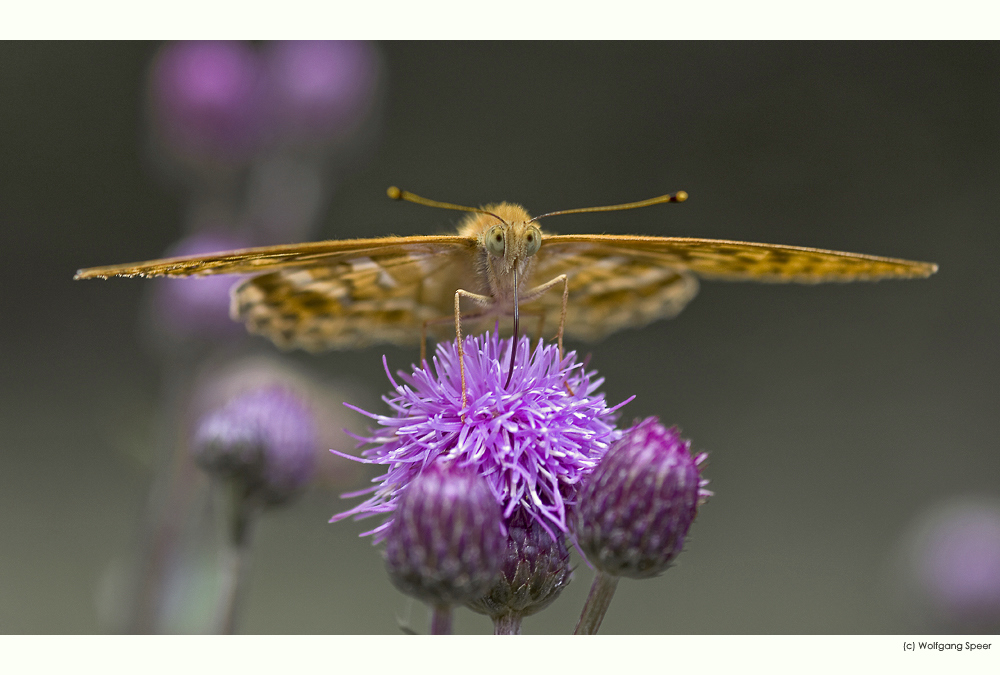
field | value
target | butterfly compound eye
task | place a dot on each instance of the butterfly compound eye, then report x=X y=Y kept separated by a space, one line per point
x=495 y=241
x=533 y=240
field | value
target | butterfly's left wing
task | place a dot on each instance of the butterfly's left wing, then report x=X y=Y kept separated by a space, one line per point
x=742 y=260
x=609 y=288
x=619 y=281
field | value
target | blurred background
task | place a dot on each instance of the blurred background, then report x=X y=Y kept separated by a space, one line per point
x=852 y=429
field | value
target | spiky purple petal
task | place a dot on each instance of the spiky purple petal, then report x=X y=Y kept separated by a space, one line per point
x=533 y=442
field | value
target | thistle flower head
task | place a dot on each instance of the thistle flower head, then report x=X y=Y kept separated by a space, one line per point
x=265 y=438
x=446 y=540
x=532 y=441
x=635 y=509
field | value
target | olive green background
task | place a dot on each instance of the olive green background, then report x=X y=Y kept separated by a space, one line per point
x=833 y=415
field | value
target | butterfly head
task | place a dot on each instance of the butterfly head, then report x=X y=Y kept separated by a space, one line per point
x=508 y=241
x=506 y=238
x=511 y=245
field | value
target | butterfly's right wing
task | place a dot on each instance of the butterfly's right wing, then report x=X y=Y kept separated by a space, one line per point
x=333 y=294
x=269 y=258
x=357 y=301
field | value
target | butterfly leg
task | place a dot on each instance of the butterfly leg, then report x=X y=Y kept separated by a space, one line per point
x=437 y=322
x=484 y=300
x=539 y=290
x=562 y=324
x=562 y=311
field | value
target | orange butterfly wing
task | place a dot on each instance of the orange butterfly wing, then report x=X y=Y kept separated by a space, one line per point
x=356 y=301
x=618 y=281
x=745 y=261
x=267 y=258
x=332 y=294
x=355 y=292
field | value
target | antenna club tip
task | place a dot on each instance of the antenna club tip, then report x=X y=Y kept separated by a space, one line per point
x=681 y=196
x=394 y=192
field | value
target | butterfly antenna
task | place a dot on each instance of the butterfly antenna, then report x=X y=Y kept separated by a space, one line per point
x=513 y=345
x=676 y=197
x=402 y=195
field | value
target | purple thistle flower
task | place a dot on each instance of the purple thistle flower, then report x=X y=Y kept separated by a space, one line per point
x=534 y=571
x=635 y=509
x=266 y=439
x=445 y=543
x=533 y=442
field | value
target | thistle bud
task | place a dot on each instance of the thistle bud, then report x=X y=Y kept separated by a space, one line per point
x=264 y=439
x=635 y=509
x=445 y=542
x=534 y=571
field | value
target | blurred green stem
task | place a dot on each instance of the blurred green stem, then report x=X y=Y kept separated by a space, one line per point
x=173 y=495
x=601 y=593
x=508 y=624
x=235 y=558
x=441 y=620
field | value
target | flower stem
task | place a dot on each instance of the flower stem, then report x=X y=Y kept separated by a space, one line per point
x=601 y=593
x=172 y=501
x=441 y=620
x=236 y=561
x=507 y=624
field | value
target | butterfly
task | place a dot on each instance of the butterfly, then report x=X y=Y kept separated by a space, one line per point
x=345 y=294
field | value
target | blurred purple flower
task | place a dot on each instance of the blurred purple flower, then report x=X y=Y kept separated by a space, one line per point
x=446 y=539
x=954 y=560
x=319 y=90
x=533 y=441
x=635 y=509
x=198 y=307
x=206 y=99
x=220 y=381
x=265 y=439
